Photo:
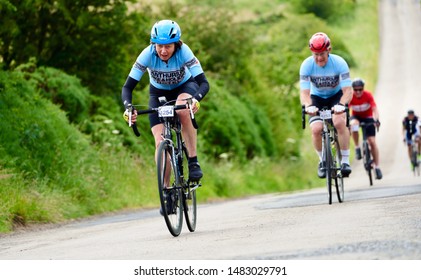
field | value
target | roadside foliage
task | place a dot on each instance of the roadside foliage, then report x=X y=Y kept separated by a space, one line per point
x=65 y=151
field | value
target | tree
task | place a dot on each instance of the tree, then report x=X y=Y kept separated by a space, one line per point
x=86 y=38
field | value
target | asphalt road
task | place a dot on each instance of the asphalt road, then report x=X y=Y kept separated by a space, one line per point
x=379 y=222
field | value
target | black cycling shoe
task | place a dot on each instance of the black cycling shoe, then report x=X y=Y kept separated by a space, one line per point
x=195 y=172
x=345 y=169
x=379 y=174
x=321 y=170
x=170 y=209
x=358 y=153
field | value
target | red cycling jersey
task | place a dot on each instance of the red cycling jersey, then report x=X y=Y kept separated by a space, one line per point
x=362 y=107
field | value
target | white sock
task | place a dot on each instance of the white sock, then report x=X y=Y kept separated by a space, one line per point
x=345 y=156
x=319 y=153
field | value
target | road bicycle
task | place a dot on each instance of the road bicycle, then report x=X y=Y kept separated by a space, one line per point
x=414 y=156
x=331 y=152
x=177 y=192
x=366 y=151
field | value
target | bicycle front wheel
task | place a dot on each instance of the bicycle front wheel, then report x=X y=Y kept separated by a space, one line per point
x=339 y=179
x=339 y=182
x=415 y=163
x=328 y=165
x=367 y=162
x=189 y=194
x=169 y=193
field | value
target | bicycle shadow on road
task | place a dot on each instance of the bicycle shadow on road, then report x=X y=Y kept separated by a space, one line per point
x=320 y=197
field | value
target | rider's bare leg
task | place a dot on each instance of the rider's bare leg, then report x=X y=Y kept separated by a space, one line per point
x=419 y=145
x=355 y=134
x=188 y=132
x=316 y=133
x=374 y=150
x=343 y=132
x=410 y=151
x=343 y=135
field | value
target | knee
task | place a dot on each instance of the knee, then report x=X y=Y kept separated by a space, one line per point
x=316 y=129
x=371 y=141
x=339 y=123
x=181 y=99
x=184 y=116
x=355 y=126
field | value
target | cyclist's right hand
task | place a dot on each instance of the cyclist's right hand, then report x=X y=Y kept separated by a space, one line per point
x=312 y=110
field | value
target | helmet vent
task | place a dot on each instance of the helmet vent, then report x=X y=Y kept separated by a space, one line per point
x=172 y=33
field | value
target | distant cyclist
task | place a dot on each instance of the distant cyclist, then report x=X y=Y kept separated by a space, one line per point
x=325 y=82
x=411 y=126
x=174 y=72
x=364 y=109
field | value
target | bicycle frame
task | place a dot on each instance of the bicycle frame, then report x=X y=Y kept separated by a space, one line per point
x=177 y=195
x=331 y=157
x=329 y=140
x=414 y=155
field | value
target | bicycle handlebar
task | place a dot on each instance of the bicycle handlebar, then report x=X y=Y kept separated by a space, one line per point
x=375 y=123
x=155 y=111
x=303 y=115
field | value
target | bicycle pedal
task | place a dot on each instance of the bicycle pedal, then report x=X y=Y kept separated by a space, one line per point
x=196 y=187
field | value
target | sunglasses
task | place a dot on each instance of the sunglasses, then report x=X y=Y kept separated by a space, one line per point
x=358 y=89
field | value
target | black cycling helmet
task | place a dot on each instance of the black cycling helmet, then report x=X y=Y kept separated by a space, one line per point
x=358 y=82
x=411 y=112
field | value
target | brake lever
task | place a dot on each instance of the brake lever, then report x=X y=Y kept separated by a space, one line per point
x=190 y=103
x=133 y=126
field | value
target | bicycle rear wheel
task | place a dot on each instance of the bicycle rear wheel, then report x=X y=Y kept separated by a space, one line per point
x=169 y=193
x=415 y=163
x=189 y=194
x=339 y=179
x=367 y=161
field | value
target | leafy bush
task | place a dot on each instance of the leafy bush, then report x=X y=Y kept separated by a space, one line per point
x=234 y=127
x=330 y=10
x=50 y=169
x=59 y=87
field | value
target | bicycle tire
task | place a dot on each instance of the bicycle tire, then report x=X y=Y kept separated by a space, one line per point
x=328 y=165
x=189 y=195
x=415 y=164
x=339 y=179
x=367 y=161
x=172 y=209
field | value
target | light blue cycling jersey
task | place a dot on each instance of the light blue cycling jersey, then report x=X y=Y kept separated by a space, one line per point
x=325 y=81
x=180 y=67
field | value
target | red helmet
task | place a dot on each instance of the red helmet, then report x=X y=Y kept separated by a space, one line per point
x=319 y=42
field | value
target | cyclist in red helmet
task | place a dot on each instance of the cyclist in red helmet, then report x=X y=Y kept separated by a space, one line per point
x=325 y=82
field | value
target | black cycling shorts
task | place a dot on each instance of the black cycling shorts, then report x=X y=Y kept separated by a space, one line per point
x=369 y=130
x=324 y=102
x=190 y=87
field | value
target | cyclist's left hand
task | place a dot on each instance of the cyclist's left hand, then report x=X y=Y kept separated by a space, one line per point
x=196 y=105
x=338 y=108
x=126 y=116
x=377 y=123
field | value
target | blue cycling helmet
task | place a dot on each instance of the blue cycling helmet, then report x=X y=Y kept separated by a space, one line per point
x=165 y=32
